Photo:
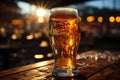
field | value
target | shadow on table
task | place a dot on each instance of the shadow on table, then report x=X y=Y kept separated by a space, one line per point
x=78 y=77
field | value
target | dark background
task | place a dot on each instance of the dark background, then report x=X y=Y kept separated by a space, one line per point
x=16 y=50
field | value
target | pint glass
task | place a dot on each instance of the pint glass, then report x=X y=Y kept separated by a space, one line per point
x=64 y=35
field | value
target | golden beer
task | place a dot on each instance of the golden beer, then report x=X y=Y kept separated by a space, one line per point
x=64 y=35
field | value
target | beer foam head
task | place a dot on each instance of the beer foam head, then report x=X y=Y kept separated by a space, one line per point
x=63 y=11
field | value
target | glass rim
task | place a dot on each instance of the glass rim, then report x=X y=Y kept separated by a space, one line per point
x=64 y=8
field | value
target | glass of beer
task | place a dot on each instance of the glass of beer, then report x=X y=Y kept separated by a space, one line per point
x=64 y=35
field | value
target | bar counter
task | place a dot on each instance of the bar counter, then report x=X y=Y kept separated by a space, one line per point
x=93 y=65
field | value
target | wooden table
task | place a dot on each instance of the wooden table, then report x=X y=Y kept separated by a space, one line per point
x=97 y=67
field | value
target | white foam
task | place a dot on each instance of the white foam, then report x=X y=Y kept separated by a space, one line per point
x=64 y=11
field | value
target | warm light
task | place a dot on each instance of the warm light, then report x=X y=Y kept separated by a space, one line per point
x=96 y=58
x=38 y=56
x=2 y=30
x=71 y=42
x=43 y=63
x=90 y=18
x=112 y=19
x=118 y=19
x=14 y=36
x=71 y=22
x=72 y=26
x=29 y=37
x=100 y=19
x=33 y=9
x=49 y=55
x=17 y=22
x=40 y=20
x=37 y=35
x=69 y=62
x=40 y=12
x=43 y=44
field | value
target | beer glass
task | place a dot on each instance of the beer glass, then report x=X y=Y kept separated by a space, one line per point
x=64 y=35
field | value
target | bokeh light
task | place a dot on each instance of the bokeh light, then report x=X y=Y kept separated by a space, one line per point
x=90 y=18
x=118 y=19
x=49 y=55
x=29 y=37
x=40 y=12
x=43 y=44
x=100 y=19
x=14 y=36
x=112 y=19
x=40 y=20
x=38 y=56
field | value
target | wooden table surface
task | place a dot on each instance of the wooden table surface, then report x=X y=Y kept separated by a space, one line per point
x=96 y=67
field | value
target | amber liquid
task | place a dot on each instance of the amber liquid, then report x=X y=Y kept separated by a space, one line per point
x=64 y=38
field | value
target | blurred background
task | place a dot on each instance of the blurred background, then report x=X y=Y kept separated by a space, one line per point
x=24 y=28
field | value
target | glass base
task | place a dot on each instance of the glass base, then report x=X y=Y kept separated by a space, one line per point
x=66 y=73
